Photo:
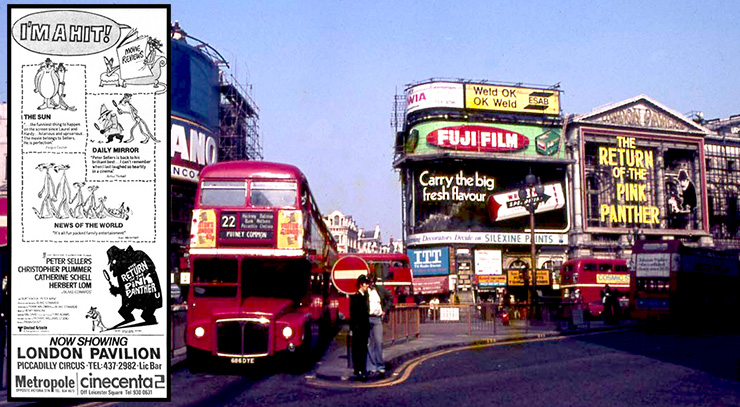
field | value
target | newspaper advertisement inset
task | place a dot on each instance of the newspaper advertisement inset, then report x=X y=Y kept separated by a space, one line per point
x=89 y=175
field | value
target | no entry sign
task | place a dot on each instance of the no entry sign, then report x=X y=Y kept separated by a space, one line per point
x=345 y=272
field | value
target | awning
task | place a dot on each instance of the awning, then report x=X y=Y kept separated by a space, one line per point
x=431 y=285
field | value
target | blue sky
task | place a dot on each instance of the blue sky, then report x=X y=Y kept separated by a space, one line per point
x=324 y=73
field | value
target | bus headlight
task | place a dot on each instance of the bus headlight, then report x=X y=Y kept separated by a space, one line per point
x=199 y=332
x=287 y=332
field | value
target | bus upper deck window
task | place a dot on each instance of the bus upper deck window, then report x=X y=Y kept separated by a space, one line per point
x=273 y=194
x=589 y=267
x=223 y=193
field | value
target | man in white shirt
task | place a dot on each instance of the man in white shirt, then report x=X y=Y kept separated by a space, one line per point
x=379 y=302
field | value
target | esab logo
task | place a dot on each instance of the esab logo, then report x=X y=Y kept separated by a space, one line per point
x=539 y=100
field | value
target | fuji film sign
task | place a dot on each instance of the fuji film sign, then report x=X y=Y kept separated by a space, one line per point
x=477 y=138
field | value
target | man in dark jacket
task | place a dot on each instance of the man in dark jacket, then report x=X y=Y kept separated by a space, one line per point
x=359 y=314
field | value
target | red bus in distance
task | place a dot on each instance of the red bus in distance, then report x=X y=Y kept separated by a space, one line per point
x=583 y=280
x=392 y=271
x=681 y=285
x=260 y=256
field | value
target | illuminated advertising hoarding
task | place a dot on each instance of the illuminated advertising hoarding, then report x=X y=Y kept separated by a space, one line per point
x=516 y=277
x=491 y=280
x=504 y=140
x=643 y=181
x=430 y=262
x=477 y=96
x=195 y=99
x=434 y=95
x=454 y=196
x=488 y=262
x=192 y=147
x=512 y=99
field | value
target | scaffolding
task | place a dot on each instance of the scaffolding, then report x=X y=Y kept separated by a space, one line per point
x=398 y=123
x=722 y=152
x=238 y=123
x=238 y=132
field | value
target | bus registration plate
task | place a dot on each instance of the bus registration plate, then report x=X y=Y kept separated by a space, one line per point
x=242 y=361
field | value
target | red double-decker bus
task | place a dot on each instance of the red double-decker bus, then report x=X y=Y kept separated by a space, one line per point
x=392 y=271
x=261 y=258
x=681 y=285
x=582 y=281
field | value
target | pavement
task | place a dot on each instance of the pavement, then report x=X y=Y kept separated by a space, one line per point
x=335 y=367
x=334 y=370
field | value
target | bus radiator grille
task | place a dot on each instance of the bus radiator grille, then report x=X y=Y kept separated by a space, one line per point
x=242 y=338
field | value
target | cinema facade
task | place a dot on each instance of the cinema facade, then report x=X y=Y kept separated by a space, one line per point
x=631 y=170
x=638 y=172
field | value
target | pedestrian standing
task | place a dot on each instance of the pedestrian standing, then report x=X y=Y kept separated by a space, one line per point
x=359 y=308
x=379 y=300
x=606 y=300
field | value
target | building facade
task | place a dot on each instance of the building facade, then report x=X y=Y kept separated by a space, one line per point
x=371 y=240
x=345 y=231
x=464 y=152
x=638 y=172
x=352 y=239
x=634 y=169
x=722 y=151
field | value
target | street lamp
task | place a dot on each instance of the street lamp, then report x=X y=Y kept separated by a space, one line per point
x=531 y=194
x=636 y=235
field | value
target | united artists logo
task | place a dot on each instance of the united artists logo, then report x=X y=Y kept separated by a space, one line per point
x=33 y=328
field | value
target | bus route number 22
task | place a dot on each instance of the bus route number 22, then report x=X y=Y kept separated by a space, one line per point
x=228 y=220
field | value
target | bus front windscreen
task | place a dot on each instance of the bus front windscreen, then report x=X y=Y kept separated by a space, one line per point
x=215 y=277
x=275 y=278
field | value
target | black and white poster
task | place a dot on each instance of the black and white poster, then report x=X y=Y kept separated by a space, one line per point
x=89 y=108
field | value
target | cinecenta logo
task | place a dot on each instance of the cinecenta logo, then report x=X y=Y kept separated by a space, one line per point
x=140 y=382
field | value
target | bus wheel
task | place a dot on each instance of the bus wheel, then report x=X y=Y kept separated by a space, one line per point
x=326 y=328
x=302 y=360
x=196 y=359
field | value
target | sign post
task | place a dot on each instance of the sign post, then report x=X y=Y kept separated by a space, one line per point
x=345 y=272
